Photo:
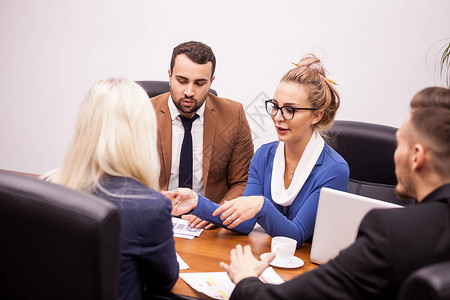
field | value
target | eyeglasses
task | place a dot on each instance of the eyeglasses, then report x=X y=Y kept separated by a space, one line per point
x=287 y=111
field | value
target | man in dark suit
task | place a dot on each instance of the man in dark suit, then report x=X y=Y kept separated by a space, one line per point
x=220 y=140
x=391 y=244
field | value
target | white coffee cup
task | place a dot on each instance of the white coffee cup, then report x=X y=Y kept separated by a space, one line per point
x=284 y=248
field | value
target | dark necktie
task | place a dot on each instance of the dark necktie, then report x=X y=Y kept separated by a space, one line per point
x=186 y=163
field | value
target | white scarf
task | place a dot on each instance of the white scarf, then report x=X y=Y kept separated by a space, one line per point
x=307 y=162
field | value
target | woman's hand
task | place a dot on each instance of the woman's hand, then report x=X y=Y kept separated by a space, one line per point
x=240 y=209
x=196 y=222
x=183 y=200
x=243 y=264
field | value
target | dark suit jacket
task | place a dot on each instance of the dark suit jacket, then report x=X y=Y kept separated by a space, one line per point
x=148 y=248
x=227 y=146
x=391 y=244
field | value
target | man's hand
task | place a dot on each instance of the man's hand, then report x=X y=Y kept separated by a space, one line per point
x=243 y=264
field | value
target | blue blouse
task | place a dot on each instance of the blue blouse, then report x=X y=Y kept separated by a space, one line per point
x=297 y=220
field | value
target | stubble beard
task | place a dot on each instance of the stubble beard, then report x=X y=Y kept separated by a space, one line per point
x=189 y=110
x=408 y=190
x=184 y=109
x=402 y=195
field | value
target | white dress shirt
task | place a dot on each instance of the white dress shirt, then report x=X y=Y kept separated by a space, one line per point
x=197 y=147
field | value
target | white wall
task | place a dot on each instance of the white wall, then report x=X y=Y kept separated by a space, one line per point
x=380 y=52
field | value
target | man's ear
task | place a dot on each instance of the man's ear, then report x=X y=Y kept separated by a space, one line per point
x=317 y=117
x=212 y=78
x=418 y=158
x=170 y=73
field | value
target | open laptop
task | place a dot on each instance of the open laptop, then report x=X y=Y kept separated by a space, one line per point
x=339 y=215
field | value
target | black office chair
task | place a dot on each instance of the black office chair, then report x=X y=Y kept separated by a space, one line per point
x=56 y=243
x=155 y=88
x=369 y=152
x=430 y=282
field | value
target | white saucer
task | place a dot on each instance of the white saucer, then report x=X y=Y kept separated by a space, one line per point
x=294 y=263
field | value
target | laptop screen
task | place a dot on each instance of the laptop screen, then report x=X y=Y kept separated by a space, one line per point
x=339 y=215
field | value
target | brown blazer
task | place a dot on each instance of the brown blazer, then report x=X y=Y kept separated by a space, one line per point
x=227 y=146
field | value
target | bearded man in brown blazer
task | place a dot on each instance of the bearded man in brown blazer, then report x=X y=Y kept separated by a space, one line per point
x=221 y=142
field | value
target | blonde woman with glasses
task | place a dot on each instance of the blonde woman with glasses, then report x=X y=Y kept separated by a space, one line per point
x=113 y=155
x=285 y=176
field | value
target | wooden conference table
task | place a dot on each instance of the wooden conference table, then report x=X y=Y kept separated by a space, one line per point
x=204 y=253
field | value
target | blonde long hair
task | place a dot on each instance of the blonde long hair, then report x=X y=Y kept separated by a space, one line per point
x=115 y=134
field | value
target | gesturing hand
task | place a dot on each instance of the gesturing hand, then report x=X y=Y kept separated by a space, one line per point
x=183 y=200
x=243 y=264
x=238 y=210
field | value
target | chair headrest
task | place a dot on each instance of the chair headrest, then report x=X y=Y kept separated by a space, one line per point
x=71 y=237
x=367 y=148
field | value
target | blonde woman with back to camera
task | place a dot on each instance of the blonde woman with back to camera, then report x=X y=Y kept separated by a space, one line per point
x=285 y=176
x=113 y=155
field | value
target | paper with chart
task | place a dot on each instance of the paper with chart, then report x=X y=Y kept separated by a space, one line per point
x=218 y=285
x=181 y=229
